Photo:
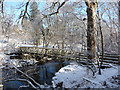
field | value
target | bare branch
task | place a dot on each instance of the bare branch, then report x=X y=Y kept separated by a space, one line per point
x=26 y=8
x=28 y=76
x=2 y=6
x=58 y=8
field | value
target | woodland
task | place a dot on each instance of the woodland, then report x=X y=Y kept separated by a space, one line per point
x=59 y=44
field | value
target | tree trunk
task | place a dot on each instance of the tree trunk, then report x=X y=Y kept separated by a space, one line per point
x=102 y=44
x=91 y=28
x=119 y=31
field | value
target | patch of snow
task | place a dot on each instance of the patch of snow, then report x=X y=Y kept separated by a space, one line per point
x=70 y=75
x=28 y=45
x=106 y=73
x=75 y=76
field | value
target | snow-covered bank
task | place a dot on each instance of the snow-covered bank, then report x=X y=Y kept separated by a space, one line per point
x=75 y=76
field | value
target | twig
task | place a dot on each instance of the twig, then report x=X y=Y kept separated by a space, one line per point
x=94 y=82
x=45 y=16
x=25 y=12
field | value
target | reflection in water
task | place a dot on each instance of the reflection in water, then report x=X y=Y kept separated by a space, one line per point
x=47 y=71
x=12 y=85
x=40 y=73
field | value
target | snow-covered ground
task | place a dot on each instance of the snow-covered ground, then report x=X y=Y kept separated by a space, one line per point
x=76 y=76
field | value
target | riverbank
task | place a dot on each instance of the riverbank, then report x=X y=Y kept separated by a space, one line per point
x=76 y=76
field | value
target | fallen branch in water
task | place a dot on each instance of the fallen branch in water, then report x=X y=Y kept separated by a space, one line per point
x=28 y=77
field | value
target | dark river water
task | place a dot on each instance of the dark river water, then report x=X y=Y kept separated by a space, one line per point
x=40 y=73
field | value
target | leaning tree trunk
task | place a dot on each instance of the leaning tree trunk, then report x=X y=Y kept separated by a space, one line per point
x=91 y=28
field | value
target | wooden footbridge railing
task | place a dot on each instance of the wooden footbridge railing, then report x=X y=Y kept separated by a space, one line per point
x=66 y=54
x=46 y=50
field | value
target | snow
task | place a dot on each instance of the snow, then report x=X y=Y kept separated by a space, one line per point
x=107 y=73
x=76 y=76
x=28 y=45
x=69 y=75
x=5 y=59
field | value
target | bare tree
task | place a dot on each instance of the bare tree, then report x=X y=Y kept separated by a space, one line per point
x=119 y=31
x=91 y=28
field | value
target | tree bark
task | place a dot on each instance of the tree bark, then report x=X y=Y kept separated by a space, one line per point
x=102 y=44
x=91 y=28
x=119 y=31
